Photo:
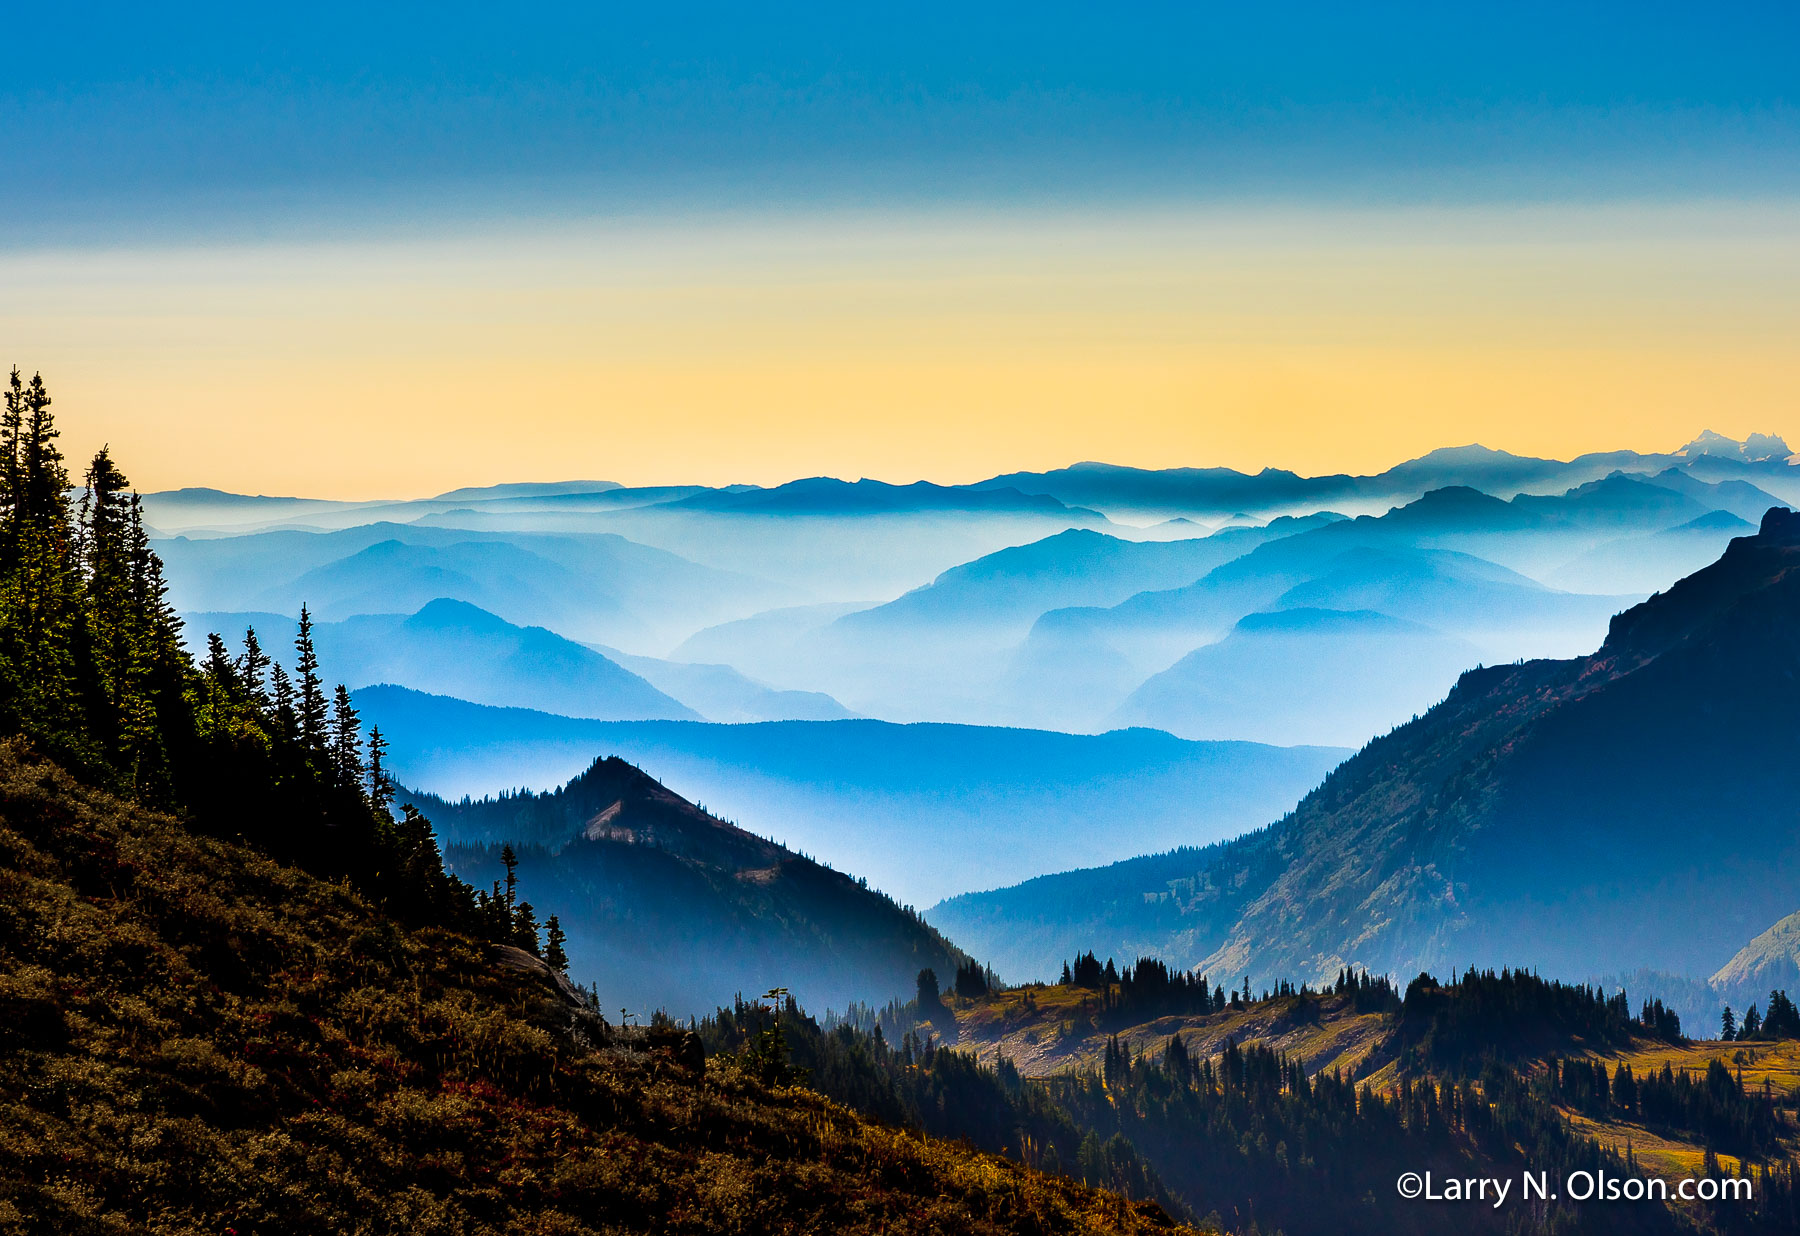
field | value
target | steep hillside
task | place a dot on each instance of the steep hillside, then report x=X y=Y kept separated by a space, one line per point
x=1551 y=813
x=197 y=1039
x=669 y=907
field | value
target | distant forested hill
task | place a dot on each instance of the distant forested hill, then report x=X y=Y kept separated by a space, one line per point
x=667 y=907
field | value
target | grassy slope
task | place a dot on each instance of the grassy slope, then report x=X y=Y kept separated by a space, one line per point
x=196 y=1039
x=1046 y=1030
x=1776 y=1062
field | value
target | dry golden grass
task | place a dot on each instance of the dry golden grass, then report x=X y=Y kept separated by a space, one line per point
x=1777 y=1063
x=1044 y=1030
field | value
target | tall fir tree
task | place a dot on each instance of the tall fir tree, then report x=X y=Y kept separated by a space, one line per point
x=310 y=705
x=346 y=741
x=509 y=859
x=43 y=628
x=281 y=699
x=555 y=941
x=381 y=785
x=253 y=669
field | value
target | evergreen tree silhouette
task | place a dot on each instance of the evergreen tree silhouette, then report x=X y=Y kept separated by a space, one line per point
x=281 y=698
x=554 y=954
x=253 y=667
x=525 y=932
x=346 y=741
x=310 y=705
x=509 y=858
x=42 y=609
x=381 y=785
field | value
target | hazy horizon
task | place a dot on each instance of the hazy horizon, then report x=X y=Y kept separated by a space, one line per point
x=777 y=480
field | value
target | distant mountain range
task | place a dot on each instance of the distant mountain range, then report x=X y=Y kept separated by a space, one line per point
x=1036 y=600
x=1008 y=589
x=592 y=586
x=923 y=811
x=1406 y=566
x=1132 y=495
x=668 y=907
x=1762 y=460
x=1632 y=808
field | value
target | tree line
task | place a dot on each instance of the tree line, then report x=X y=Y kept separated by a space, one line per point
x=1150 y=987
x=1781 y=1022
x=94 y=673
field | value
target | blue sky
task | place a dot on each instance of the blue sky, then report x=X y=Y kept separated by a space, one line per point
x=134 y=119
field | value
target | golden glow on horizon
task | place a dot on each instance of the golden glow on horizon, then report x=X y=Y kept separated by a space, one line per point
x=950 y=349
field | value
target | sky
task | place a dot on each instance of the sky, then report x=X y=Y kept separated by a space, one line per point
x=365 y=250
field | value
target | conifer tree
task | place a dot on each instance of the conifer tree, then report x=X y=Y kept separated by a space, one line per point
x=381 y=785
x=310 y=705
x=44 y=479
x=346 y=740
x=42 y=619
x=525 y=933
x=117 y=641
x=281 y=698
x=253 y=667
x=219 y=664
x=555 y=956
x=12 y=477
x=1727 y=1025
x=509 y=858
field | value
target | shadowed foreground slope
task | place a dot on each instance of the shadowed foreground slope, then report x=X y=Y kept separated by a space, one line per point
x=194 y=1038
